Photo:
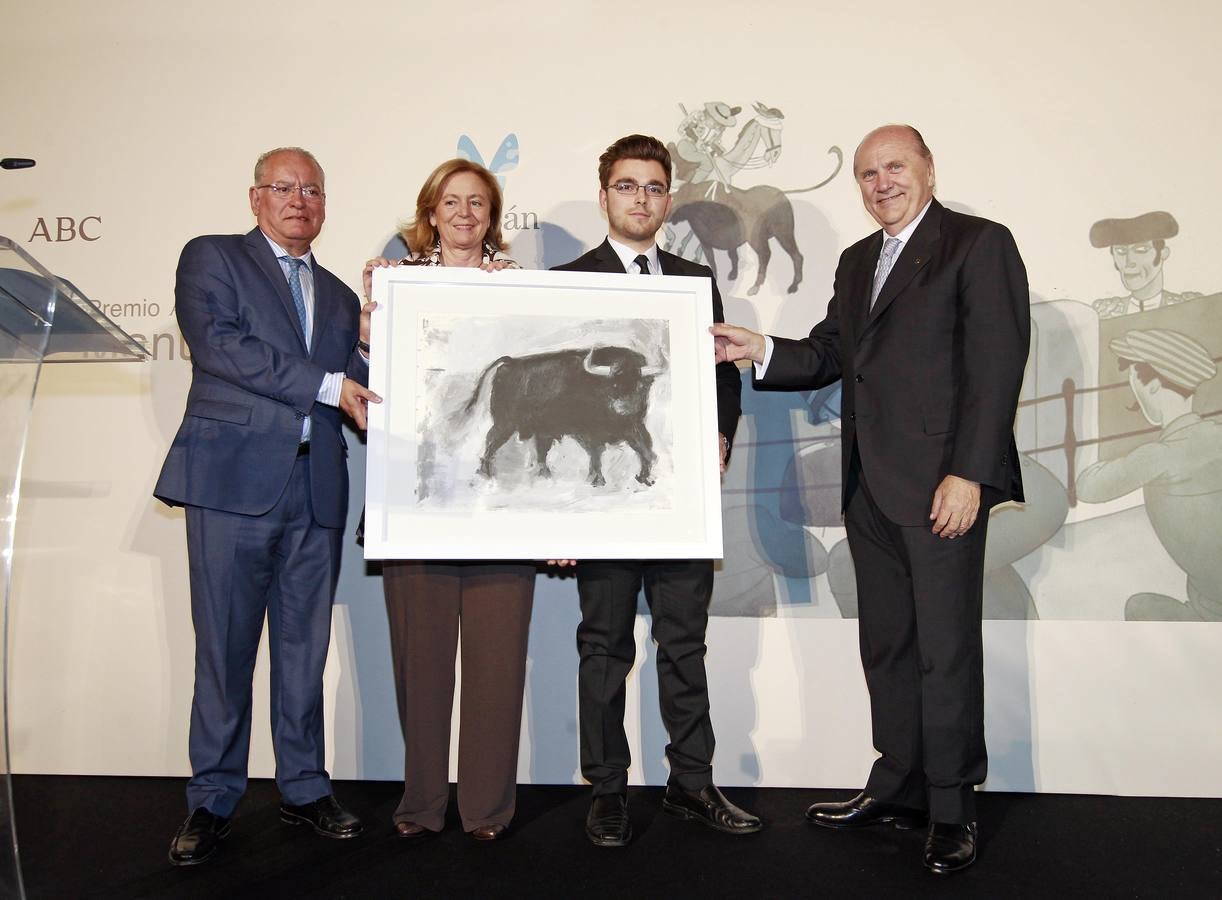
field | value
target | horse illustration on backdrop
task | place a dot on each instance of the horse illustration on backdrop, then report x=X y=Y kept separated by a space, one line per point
x=723 y=217
x=700 y=144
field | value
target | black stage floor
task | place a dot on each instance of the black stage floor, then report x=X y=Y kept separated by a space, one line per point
x=107 y=837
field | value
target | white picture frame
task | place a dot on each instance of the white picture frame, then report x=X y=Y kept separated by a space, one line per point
x=445 y=339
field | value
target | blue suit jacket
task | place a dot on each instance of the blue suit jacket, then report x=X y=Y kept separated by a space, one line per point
x=253 y=381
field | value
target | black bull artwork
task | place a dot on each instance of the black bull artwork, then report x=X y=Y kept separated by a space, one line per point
x=596 y=395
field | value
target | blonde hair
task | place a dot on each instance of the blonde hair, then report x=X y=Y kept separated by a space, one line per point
x=420 y=235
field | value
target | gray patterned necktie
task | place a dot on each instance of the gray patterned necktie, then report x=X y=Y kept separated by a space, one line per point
x=295 y=266
x=890 y=247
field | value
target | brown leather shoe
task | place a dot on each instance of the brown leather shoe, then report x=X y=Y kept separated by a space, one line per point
x=488 y=832
x=411 y=830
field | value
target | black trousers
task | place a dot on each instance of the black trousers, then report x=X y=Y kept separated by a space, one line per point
x=919 y=622
x=678 y=593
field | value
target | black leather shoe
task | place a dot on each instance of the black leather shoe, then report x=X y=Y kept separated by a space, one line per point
x=709 y=806
x=197 y=838
x=862 y=811
x=607 y=824
x=326 y=815
x=950 y=847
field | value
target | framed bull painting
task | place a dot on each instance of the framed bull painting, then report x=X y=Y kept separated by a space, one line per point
x=541 y=415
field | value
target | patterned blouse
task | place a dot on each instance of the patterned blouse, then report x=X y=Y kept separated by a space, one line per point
x=433 y=257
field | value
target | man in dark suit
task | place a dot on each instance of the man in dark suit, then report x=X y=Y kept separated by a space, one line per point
x=928 y=328
x=634 y=177
x=260 y=464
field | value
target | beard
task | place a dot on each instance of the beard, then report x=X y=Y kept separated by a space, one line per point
x=638 y=229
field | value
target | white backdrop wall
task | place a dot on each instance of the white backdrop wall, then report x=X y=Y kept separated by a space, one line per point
x=146 y=118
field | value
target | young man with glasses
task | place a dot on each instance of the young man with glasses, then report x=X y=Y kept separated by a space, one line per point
x=634 y=178
x=261 y=467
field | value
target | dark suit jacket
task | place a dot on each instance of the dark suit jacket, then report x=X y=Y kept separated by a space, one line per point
x=729 y=386
x=253 y=381
x=931 y=375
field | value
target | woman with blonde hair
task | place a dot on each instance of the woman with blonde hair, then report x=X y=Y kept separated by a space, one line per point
x=458 y=223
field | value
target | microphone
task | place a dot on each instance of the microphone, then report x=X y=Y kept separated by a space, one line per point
x=13 y=162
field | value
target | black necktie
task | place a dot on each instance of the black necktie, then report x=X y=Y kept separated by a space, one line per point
x=643 y=262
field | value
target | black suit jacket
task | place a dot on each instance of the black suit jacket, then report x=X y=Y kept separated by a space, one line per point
x=729 y=386
x=931 y=375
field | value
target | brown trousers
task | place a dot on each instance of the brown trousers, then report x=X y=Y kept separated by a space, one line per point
x=425 y=604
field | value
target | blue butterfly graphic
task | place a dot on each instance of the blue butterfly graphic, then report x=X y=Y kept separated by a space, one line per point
x=506 y=158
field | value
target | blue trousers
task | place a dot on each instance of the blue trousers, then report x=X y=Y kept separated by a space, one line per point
x=284 y=565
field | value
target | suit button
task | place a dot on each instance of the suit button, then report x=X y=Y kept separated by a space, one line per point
x=860 y=379
x=852 y=417
x=1005 y=460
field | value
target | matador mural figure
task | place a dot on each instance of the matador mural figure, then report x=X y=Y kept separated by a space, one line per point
x=1179 y=472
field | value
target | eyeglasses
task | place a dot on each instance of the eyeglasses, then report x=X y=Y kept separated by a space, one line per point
x=629 y=189
x=309 y=192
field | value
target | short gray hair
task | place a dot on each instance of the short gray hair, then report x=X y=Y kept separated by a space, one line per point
x=264 y=157
x=916 y=135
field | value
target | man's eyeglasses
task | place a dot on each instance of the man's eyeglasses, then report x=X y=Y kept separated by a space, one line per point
x=309 y=192
x=629 y=189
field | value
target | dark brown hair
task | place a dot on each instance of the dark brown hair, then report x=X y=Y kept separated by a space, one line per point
x=634 y=146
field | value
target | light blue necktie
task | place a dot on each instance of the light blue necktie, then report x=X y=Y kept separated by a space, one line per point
x=890 y=246
x=295 y=266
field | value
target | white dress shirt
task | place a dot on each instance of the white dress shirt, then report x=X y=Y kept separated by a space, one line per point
x=904 y=236
x=332 y=382
x=628 y=257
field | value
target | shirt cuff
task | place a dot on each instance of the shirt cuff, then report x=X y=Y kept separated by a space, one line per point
x=329 y=390
x=762 y=368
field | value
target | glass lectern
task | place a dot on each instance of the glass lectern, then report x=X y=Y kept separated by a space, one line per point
x=42 y=319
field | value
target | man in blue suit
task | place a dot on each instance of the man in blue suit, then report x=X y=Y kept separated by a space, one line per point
x=277 y=358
